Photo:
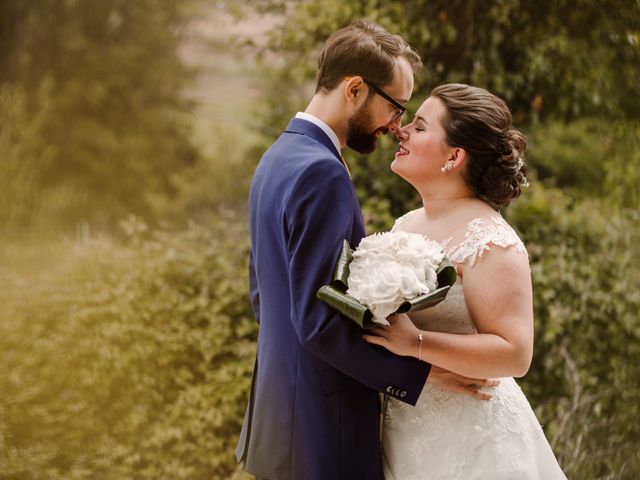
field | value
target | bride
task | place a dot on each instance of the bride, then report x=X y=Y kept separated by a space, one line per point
x=464 y=158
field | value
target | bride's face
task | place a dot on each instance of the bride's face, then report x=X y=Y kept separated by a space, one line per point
x=422 y=151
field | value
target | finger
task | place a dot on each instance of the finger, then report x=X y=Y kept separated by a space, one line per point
x=479 y=394
x=476 y=393
x=483 y=382
x=373 y=339
x=380 y=331
x=469 y=391
x=459 y=389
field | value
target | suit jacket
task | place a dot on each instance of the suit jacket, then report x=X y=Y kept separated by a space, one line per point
x=313 y=411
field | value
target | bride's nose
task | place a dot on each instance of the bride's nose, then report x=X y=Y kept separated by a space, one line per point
x=402 y=134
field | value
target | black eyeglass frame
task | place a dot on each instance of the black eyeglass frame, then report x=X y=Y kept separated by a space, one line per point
x=401 y=108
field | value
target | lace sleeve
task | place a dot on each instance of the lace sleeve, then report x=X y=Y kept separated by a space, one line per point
x=481 y=233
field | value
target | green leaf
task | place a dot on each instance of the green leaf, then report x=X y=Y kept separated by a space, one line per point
x=341 y=272
x=346 y=305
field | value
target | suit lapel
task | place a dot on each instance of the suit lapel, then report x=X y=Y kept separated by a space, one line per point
x=303 y=127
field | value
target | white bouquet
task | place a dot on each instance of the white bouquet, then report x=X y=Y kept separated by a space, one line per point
x=393 y=267
x=391 y=272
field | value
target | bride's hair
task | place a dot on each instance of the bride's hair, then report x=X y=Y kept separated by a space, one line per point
x=480 y=123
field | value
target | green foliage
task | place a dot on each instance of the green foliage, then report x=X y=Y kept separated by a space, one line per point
x=551 y=62
x=623 y=166
x=219 y=178
x=547 y=59
x=112 y=124
x=586 y=283
x=128 y=361
x=20 y=144
x=571 y=155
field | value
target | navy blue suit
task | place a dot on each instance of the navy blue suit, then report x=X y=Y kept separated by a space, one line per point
x=314 y=409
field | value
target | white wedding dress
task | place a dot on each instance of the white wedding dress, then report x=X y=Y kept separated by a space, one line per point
x=454 y=436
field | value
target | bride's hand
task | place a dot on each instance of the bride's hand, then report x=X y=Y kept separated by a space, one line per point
x=399 y=337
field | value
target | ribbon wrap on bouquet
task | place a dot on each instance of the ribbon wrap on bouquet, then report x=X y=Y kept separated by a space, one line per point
x=336 y=297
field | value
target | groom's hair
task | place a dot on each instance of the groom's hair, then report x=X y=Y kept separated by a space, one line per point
x=364 y=49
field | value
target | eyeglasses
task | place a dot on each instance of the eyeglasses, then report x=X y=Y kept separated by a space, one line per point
x=400 y=109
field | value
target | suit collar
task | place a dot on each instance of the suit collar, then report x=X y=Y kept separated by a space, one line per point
x=304 y=127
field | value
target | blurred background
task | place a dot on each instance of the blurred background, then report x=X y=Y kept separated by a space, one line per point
x=129 y=132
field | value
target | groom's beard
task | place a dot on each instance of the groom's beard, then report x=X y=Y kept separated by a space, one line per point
x=359 y=136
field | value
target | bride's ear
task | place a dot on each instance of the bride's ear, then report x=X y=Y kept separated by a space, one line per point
x=457 y=159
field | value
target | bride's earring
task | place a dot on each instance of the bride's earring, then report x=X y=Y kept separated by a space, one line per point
x=447 y=168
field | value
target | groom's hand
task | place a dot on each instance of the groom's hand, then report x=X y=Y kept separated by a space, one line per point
x=459 y=384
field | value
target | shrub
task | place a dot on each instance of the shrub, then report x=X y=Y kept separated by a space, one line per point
x=131 y=362
x=586 y=283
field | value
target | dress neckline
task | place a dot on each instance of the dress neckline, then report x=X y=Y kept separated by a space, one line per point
x=480 y=233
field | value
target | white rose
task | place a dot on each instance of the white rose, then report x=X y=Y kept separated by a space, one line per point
x=374 y=281
x=380 y=242
x=431 y=280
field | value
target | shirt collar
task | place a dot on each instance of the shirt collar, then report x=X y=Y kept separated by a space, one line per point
x=325 y=128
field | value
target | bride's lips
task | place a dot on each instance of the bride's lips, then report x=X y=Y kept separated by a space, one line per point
x=402 y=151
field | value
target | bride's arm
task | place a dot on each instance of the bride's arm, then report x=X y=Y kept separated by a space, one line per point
x=499 y=298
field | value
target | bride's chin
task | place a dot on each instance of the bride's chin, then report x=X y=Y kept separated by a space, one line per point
x=395 y=168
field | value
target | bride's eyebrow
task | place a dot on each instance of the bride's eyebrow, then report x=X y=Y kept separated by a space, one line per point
x=418 y=117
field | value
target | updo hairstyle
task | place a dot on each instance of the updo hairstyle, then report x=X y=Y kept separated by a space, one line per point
x=480 y=123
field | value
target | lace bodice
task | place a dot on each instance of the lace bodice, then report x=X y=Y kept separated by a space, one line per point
x=452 y=315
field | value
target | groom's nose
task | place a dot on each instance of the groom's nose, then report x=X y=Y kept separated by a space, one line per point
x=395 y=126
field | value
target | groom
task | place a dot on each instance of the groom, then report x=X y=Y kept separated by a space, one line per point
x=313 y=411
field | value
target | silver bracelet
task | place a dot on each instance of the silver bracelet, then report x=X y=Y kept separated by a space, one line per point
x=420 y=347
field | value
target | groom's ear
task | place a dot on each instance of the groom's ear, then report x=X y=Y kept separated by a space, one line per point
x=354 y=90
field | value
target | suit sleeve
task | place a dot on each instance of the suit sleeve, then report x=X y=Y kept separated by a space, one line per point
x=319 y=216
